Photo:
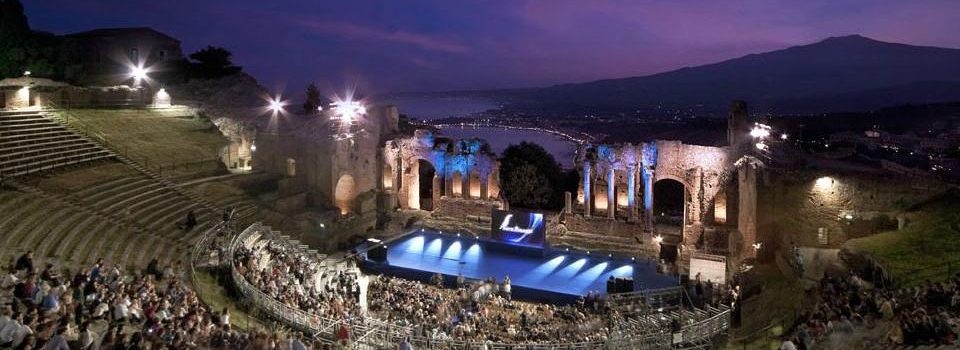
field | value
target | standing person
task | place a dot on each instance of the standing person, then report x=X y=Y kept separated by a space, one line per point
x=506 y=287
x=405 y=344
x=25 y=262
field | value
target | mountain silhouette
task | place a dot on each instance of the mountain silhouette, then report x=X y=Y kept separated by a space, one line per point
x=846 y=73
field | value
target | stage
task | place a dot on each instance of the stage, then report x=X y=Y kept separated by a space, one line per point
x=536 y=274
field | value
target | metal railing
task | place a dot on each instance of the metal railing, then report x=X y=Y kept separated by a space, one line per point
x=373 y=333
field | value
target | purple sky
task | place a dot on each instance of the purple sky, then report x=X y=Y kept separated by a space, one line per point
x=393 y=45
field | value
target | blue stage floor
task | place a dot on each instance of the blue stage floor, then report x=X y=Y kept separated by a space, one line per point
x=559 y=272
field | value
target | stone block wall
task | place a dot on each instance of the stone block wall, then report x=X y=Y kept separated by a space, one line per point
x=794 y=207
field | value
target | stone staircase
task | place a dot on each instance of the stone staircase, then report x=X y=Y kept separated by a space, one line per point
x=128 y=220
x=617 y=245
x=32 y=141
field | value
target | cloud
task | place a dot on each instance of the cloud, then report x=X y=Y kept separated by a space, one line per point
x=350 y=30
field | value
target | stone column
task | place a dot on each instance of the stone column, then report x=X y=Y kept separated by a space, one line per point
x=483 y=188
x=631 y=192
x=611 y=194
x=465 y=185
x=437 y=190
x=448 y=184
x=648 y=196
x=587 y=194
x=747 y=213
x=398 y=175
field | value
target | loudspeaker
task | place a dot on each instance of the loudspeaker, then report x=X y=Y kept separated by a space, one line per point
x=377 y=253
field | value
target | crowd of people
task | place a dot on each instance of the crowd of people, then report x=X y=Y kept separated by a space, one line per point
x=924 y=315
x=295 y=280
x=104 y=307
x=482 y=312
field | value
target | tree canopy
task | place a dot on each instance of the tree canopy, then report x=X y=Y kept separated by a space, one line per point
x=212 y=62
x=22 y=49
x=531 y=178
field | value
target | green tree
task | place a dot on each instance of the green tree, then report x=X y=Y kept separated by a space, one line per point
x=213 y=62
x=528 y=187
x=22 y=49
x=531 y=178
x=313 y=99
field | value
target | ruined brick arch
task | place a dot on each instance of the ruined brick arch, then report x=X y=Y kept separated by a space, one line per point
x=473 y=182
x=388 y=176
x=345 y=193
x=456 y=184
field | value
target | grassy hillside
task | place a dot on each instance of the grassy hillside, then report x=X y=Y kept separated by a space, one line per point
x=928 y=248
x=177 y=143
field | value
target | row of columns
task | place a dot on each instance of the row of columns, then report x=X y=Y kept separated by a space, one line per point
x=442 y=186
x=589 y=178
x=465 y=186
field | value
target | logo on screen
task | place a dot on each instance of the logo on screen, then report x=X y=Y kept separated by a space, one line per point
x=521 y=228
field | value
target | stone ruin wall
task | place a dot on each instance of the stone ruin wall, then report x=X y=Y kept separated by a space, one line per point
x=794 y=206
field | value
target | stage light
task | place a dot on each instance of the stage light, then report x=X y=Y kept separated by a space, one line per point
x=253 y=148
x=458 y=234
x=633 y=258
x=783 y=136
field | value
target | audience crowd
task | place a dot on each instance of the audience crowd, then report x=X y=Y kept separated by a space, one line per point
x=481 y=311
x=104 y=307
x=923 y=315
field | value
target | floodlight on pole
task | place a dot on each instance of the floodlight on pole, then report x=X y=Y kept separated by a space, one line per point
x=348 y=110
x=138 y=73
x=275 y=105
x=658 y=239
x=760 y=131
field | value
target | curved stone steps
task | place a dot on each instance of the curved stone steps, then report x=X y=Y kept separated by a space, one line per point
x=147 y=214
x=97 y=231
x=62 y=229
x=44 y=230
x=170 y=214
x=141 y=211
x=18 y=218
x=111 y=247
x=78 y=237
x=137 y=248
x=102 y=188
x=117 y=203
x=115 y=192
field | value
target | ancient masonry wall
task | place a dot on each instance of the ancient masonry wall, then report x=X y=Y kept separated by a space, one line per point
x=822 y=209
